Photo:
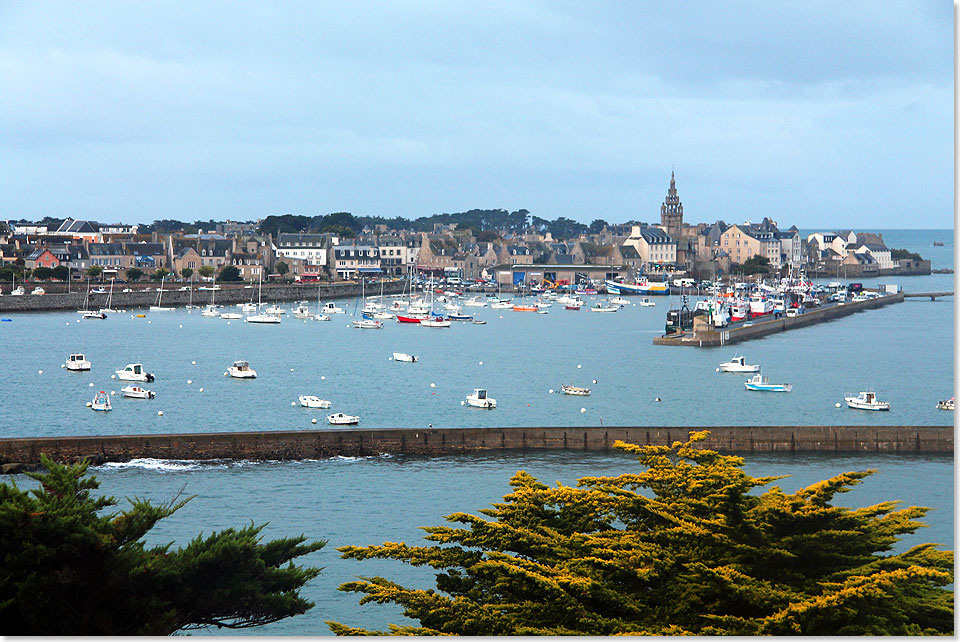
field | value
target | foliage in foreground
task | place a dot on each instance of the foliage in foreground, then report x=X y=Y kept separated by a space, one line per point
x=698 y=555
x=68 y=566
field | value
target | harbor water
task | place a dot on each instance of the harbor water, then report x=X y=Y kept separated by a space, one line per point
x=904 y=352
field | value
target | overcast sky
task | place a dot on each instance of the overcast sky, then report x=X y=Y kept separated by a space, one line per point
x=819 y=114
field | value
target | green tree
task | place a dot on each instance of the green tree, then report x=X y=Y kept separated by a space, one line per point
x=700 y=553
x=61 y=273
x=186 y=272
x=230 y=273
x=597 y=226
x=134 y=274
x=282 y=268
x=160 y=273
x=206 y=271
x=42 y=273
x=73 y=566
x=94 y=272
x=756 y=264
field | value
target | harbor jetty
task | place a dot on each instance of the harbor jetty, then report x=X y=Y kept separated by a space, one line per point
x=17 y=454
x=705 y=335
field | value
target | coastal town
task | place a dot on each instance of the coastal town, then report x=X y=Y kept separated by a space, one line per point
x=522 y=250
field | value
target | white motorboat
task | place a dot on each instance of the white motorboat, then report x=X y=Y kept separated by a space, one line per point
x=502 y=305
x=157 y=307
x=474 y=302
x=479 y=399
x=263 y=318
x=761 y=384
x=738 y=364
x=331 y=308
x=38 y=291
x=321 y=317
x=619 y=300
x=134 y=372
x=340 y=419
x=302 y=312
x=211 y=311
x=230 y=315
x=435 y=322
x=101 y=402
x=574 y=390
x=241 y=370
x=311 y=401
x=599 y=307
x=866 y=400
x=247 y=307
x=403 y=356
x=136 y=392
x=383 y=315
x=945 y=404
x=645 y=302
x=367 y=324
x=90 y=314
x=275 y=310
x=17 y=291
x=76 y=362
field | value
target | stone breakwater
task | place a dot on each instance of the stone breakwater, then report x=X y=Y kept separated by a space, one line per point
x=24 y=453
x=228 y=294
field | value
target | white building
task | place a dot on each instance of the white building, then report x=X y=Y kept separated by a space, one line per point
x=312 y=249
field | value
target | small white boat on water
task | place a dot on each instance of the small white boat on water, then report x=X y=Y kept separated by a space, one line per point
x=321 y=317
x=382 y=315
x=157 y=307
x=645 y=302
x=367 y=324
x=502 y=305
x=211 y=311
x=474 y=302
x=945 y=404
x=38 y=291
x=247 y=307
x=241 y=370
x=275 y=310
x=435 y=322
x=311 y=401
x=760 y=383
x=403 y=356
x=599 y=307
x=134 y=372
x=76 y=362
x=738 y=364
x=575 y=390
x=17 y=291
x=230 y=315
x=479 y=399
x=340 y=419
x=866 y=400
x=263 y=318
x=90 y=314
x=136 y=392
x=302 y=312
x=331 y=308
x=619 y=300
x=101 y=402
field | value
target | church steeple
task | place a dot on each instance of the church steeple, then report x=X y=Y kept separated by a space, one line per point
x=671 y=212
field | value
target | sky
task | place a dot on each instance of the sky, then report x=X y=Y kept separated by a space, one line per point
x=815 y=114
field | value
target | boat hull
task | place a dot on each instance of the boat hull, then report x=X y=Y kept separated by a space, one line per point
x=643 y=289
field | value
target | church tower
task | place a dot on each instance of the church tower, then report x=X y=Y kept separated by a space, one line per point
x=671 y=212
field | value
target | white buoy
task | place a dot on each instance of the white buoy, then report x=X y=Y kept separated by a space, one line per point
x=291 y=369
x=550 y=391
x=433 y=385
x=39 y=371
x=314 y=420
x=63 y=365
x=463 y=403
x=149 y=321
x=838 y=404
x=594 y=381
x=91 y=384
x=193 y=363
x=228 y=323
x=159 y=413
x=293 y=403
x=113 y=376
x=718 y=369
x=583 y=410
x=389 y=358
x=113 y=393
x=322 y=378
x=89 y=404
x=225 y=374
x=201 y=389
x=181 y=325
x=579 y=365
x=68 y=323
x=657 y=399
x=189 y=381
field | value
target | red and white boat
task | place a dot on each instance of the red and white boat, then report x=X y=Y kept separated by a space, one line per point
x=761 y=306
x=739 y=310
x=410 y=319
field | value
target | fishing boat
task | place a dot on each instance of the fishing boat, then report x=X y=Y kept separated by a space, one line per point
x=619 y=300
x=641 y=287
x=76 y=362
x=645 y=302
x=301 y=312
x=403 y=356
x=340 y=419
x=738 y=364
x=760 y=383
x=575 y=390
x=136 y=392
x=157 y=307
x=479 y=399
x=134 y=372
x=311 y=401
x=331 y=308
x=241 y=370
x=101 y=402
x=275 y=310
x=90 y=314
x=866 y=400
x=572 y=303
x=945 y=404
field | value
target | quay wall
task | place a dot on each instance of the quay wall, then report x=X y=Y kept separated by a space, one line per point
x=23 y=453
x=229 y=294
x=725 y=336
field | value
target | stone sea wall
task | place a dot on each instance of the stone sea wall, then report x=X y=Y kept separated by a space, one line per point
x=19 y=453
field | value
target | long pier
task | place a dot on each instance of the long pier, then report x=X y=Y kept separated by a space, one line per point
x=22 y=453
x=923 y=295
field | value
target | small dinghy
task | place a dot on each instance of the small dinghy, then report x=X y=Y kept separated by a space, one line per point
x=479 y=322
x=945 y=404
x=480 y=399
x=340 y=419
x=575 y=390
x=403 y=356
x=100 y=402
